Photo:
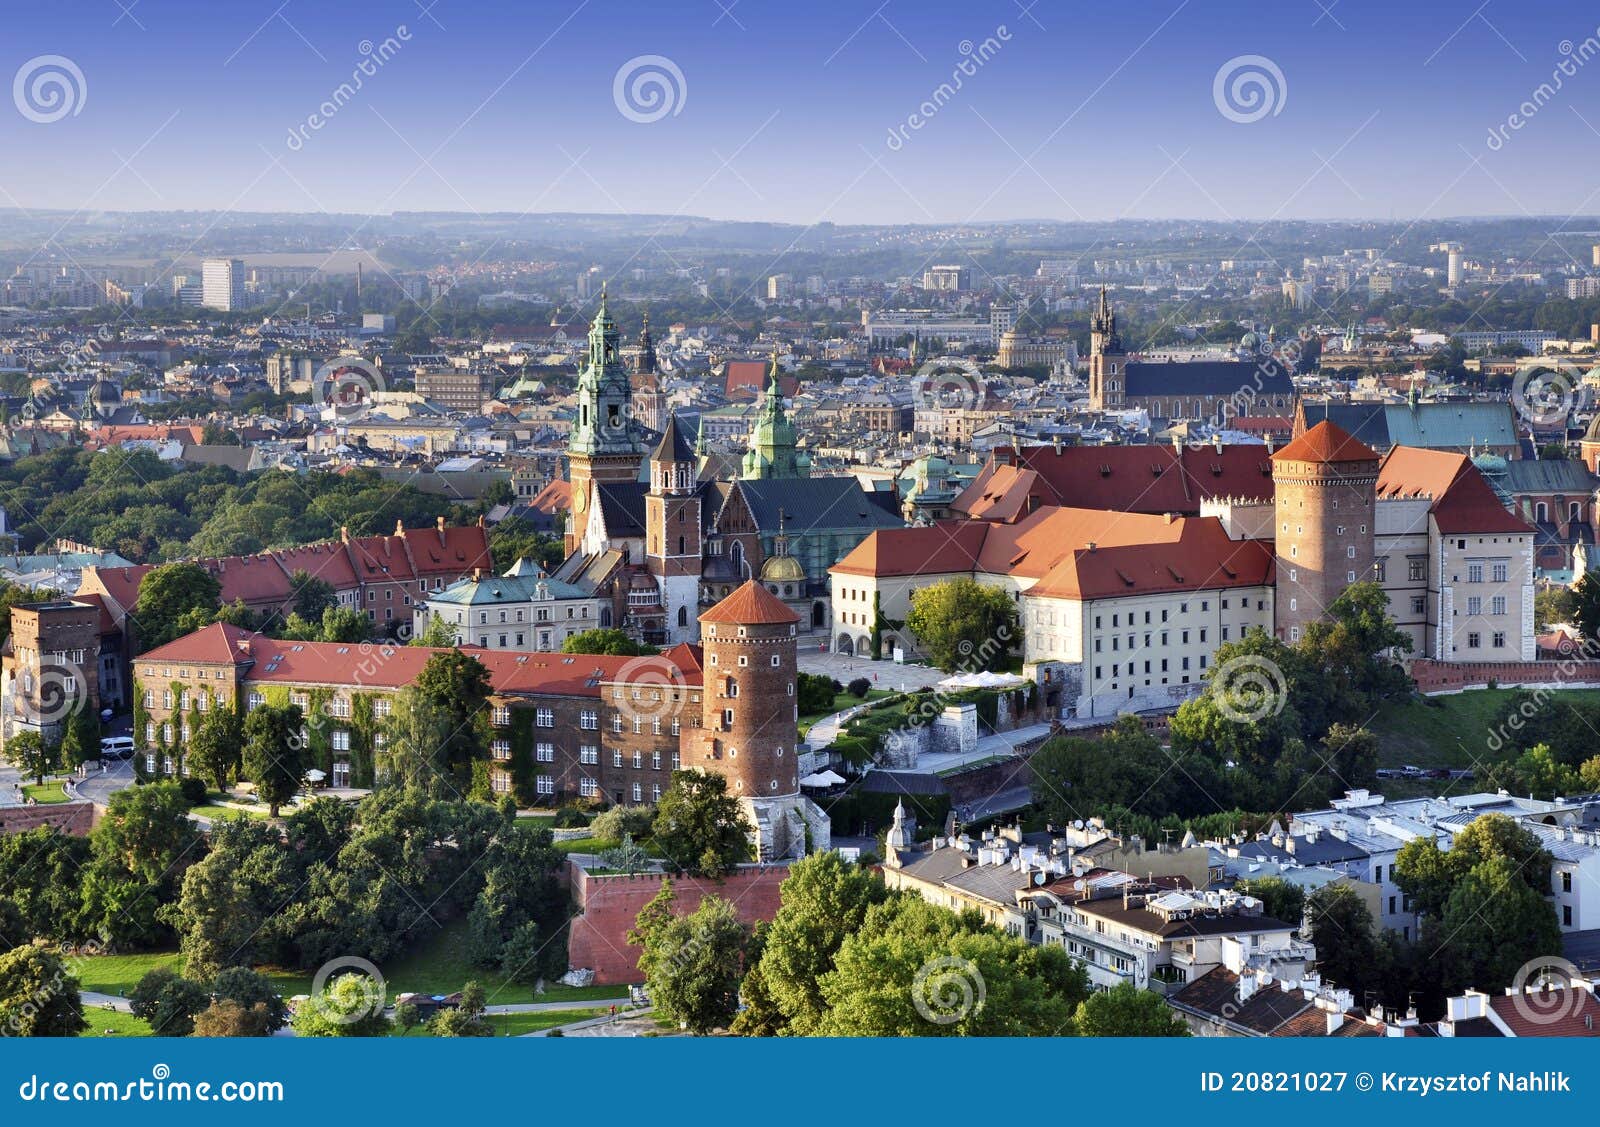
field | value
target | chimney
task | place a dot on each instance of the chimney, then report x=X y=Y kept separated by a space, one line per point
x=399 y=527
x=344 y=534
x=1216 y=443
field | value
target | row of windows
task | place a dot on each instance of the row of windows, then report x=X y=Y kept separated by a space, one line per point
x=1133 y=672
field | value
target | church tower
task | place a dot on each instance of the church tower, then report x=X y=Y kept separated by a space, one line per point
x=774 y=451
x=672 y=532
x=1107 y=361
x=1324 y=488
x=649 y=403
x=748 y=728
x=605 y=444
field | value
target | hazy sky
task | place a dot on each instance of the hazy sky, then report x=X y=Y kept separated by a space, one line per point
x=803 y=111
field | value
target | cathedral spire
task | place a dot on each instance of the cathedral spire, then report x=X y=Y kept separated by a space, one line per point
x=647 y=347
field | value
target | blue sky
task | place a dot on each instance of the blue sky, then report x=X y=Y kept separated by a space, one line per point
x=786 y=110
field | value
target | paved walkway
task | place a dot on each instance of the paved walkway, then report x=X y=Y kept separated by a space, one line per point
x=1000 y=743
x=93 y=1000
x=883 y=674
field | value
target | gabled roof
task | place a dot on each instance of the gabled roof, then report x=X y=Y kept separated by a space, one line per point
x=217 y=644
x=1184 y=379
x=1326 y=443
x=813 y=504
x=1463 y=502
x=750 y=605
x=674 y=445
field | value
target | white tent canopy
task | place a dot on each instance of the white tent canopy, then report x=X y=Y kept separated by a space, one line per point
x=822 y=779
x=983 y=681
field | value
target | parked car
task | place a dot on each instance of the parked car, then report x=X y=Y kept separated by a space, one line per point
x=116 y=747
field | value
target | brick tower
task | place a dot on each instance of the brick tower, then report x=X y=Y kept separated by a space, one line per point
x=748 y=732
x=1108 y=363
x=672 y=532
x=1324 y=487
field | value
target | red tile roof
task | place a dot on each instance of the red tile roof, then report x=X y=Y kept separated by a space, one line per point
x=1072 y=553
x=1553 y=1013
x=1463 y=502
x=1326 y=442
x=1137 y=479
x=384 y=666
x=751 y=605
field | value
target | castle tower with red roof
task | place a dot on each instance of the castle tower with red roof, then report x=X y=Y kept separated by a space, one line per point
x=748 y=730
x=1325 y=497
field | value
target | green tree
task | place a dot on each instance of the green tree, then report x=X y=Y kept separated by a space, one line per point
x=824 y=900
x=252 y=991
x=1552 y=605
x=438 y=634
x=1279 y=899
x=605 y=640
x=168 y=1001
x=274 y=753
x=916 y=970
x=312 y=596
x=1127 y=1011
x=38 y=994
x=415 y=734
x=1586 y=606
x=699 y=826
x=350 y=1005
x=1428 y=875
x=465 y=1020
x=214 y=751
x=457 y=685
x=1340 y=926
x=146 y=831
x=693 y=964
x=31 y=754
x=80 y=738
x=1493 y=923
x=170 y=596
x=227 y=1018
x=965 y=625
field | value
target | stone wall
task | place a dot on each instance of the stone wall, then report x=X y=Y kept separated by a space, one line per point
x=608 y=905
x=1438 y=677
x=75 y=818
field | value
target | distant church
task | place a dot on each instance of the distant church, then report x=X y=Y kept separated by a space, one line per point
x=1213 y=390
x=652 y=529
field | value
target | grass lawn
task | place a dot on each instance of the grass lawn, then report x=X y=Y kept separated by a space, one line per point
x=109 y=1023
x=841 y=701
x=515 y=1025
x=118 y=974
x=217 y=812
x=46 y=794
x=1450 y=731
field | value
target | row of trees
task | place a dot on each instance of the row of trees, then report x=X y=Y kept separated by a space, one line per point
x=845 y=956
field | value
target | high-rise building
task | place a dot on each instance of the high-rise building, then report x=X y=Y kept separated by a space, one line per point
x=780 y=287
x=947 y=279
x=222 y=284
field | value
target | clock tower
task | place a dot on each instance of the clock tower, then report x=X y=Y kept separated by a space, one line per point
x=606 y=443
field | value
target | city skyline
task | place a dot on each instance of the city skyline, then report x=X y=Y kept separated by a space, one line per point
x=806 y=117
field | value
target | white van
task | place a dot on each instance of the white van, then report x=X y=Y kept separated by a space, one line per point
x=116 y=747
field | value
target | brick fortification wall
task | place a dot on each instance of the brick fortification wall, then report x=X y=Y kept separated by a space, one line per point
x=607 y=906
x=75 y=818
x=1433 y=677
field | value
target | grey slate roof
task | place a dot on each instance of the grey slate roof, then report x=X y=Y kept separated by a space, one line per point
x=1206 y=377
x=812 y=503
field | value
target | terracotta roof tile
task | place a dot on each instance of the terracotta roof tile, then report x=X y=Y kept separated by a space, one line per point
x=1326 y=442
x=751 y=605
